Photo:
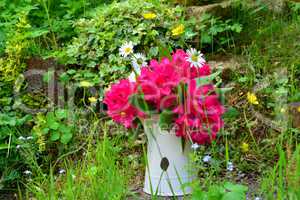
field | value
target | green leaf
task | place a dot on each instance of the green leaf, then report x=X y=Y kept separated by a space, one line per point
x=206 y=38
x=51 y=121
x=234 y=196
x=235 y=187
x=207 y=79
x=138 y=101
x=61 y=113
x=222 y=91
x=65 y=138
x=231 y=113
x=4 y=146
x=65 y=129
x=37 y=32
x=55 y=135
x=5 y=119
x=23 y=120
x=166 y=118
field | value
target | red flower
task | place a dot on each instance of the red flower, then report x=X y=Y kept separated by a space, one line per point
x=158 y=82
x=200 y=115
x=117 y=101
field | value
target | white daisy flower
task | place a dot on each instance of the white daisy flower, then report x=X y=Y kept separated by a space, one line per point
x=195 y=146
x=27 y=172
x=126 y=49
x=18 y=146
x=138 y=61
x=258 y=198
x=230 y=166
x=196 y=58
x=206 y=158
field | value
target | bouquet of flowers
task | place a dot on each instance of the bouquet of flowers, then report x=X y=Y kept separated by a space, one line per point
x=178 y=88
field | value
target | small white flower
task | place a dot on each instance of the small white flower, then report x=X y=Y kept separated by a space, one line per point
x=207 y=158
x=22 y=138
x=29 y=138
x=126 y=49
x=230 y=166
x=27 y=172
x=195 y=146
x=138 y=61
x=18 y=146
x=258 y=198
x=132 y=77
x=195 y=57
x=62 y=171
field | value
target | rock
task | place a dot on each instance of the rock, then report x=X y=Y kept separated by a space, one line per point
x=36 y=69
x=218 y=9
x=228 y=65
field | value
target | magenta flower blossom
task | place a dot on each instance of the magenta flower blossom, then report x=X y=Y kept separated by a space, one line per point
x=171 y=84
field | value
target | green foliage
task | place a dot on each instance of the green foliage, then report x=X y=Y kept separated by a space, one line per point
x=227 y=191
x=12 y=125
x=51 y=128
x=282 y=182
x=102 y=173
x=216 y=33
x=98 y=40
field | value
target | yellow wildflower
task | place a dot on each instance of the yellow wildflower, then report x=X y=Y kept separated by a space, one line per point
x=245 y=147
x=178 y=30
x=252 y=98
x=149 y=15
x=92 y=99
x=298 y=109
x=85 y=84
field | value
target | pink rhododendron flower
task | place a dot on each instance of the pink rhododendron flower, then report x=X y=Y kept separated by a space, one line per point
x=117 y=101
x=200 y=115
x=171 y=84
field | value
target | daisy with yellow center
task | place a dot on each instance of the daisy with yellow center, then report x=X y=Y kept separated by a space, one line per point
x=195 y=58
x=138 y=61
x=178 y=30
x=126 y=49
x=149 y=15
x=92 y=99
x=252 y=99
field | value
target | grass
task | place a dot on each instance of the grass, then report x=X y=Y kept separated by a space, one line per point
x=102 y=173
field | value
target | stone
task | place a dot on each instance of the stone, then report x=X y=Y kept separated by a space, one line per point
x=218 y=9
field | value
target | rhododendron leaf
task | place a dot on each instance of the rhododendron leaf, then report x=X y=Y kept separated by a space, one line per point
x=138 y=101
x=182 y=144
x=207 y=79
x=165 y=119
